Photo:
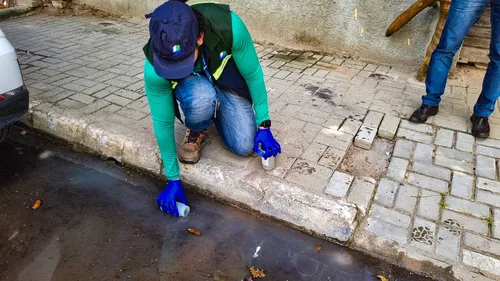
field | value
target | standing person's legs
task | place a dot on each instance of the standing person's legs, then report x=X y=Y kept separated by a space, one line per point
x=462 y=16
x=235 y=122
x=196 y=96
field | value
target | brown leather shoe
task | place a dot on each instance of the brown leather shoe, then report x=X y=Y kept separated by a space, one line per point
x=189 y=152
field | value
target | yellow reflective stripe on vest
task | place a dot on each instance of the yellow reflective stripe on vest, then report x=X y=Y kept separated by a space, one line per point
x=219 y=71
x=174 y=84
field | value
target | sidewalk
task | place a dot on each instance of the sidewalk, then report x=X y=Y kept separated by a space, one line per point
x=352 y=170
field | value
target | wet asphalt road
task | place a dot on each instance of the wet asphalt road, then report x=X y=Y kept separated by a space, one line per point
x=100 y=222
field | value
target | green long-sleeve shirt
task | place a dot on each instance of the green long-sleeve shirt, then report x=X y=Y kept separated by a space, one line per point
x=159 y=93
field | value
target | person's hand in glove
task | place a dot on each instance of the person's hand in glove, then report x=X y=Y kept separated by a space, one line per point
x=269 y=147
x=167 y=199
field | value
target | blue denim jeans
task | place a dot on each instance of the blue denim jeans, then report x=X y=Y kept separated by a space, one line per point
x=462 y=16
x=234 y=116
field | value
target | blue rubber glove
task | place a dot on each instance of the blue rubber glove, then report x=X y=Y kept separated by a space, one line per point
x=269 y=147
x=168 y=197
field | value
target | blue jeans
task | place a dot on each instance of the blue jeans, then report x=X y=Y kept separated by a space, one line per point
x=234 y=118
x=462 y=16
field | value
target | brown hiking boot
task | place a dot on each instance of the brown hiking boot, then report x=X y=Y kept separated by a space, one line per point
x=189 y=152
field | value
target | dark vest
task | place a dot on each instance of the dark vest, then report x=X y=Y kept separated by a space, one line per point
x=217 y=47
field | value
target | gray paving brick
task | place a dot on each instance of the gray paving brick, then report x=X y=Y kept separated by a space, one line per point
x=414 y=135
x=454 y=159
x=431 y=170
x=429 y=205
x=403 y=149
x=387 y=230
x=482 y=243
x=84 y=82
x=428 y=182
x=332 y=158
x=95 y=106
x=94 y=89
x=422 y=128
x=73 y=87
x=386 y=192
x=106 y=111
x=488 y=197
x=486 y=167
x=365 y=137
x=397 y=169
x=482 y=262
x=406 y=198
x=82 y=98
x=310 y=174
x=68 y=103
x=462 y=185
x=448 y=244
x=373 y=119
x=339 y=184
x=105 y=92
x=459 y=221
x=467 y=207
x=490 y=185
x=60 y=96
x=314 y=152
x=496 y=223
x=128 y=94
x=334 y=122
x=488 y=151
x=117 y=100
x=465 y=142
x=444 y=138
x=131 y=113
x=361 y=192
x=451 y=122
x=430 y=227
x=350 y=126
x=390 y=216
x=488 y=142
x=423 y=153
x=332 y=142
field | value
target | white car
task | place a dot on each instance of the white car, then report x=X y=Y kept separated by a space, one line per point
x=14 y=96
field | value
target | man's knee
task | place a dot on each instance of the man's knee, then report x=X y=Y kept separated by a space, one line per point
x=197 y=97
x=244 y=148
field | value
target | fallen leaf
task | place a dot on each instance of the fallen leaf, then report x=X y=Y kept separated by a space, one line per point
x=257 y=273
x=382 y=278
x=318 y=248
x=194 y=231
x=37 y=204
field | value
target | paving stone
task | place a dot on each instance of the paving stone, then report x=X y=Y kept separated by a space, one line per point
x=117 y=100
x=421 y=230
x=444 y=138
x=387 y=230
x=390 y=216
x=480 y=261
x=447 y=244
x=459 y=221
x=422 y=128
x=94 y=89
x=488 y=142
x=339 y=184
x=68 y=103
x=429 y=205
x=467 y=207
x=486 y=184
x=365 y=137
x=332 y=142
x=462 y=185
x=488 y=197
x=82 y=98
x=373 y=119
x=414 y=135
x=397 y=169
x=431 y=170
x=403 y=149
x=350 y=126
x=332 y=157
x=407 y=198
x=451 y=122
x=482 y=243
x=73 y=87
x=465 y=142
x=486 y=167
x=454 y=159
x=128 y=94
x=423 y=153
x=95 y=106
x=428 y=182
x=361 y=192
x=105 y=92
x=496 y=223
x=334 y=122
x=132 y=114
x=488 y=151
x=314 y=152
x=312 y=175
x=386 y=192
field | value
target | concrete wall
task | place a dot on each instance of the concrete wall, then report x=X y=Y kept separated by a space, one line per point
x=322 y=25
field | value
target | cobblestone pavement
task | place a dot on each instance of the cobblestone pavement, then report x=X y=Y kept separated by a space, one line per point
x=440 y=197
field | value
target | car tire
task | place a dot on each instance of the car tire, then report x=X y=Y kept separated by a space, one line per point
x=5 y=132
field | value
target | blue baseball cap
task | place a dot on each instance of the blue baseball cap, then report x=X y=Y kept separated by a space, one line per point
x=173 y=29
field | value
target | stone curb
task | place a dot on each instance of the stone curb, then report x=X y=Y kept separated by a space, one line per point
x=253 y=190
x=8 y=13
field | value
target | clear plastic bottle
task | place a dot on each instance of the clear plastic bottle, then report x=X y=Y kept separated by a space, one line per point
x=269 y=163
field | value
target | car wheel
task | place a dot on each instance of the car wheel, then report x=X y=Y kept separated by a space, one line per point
x=5 y=132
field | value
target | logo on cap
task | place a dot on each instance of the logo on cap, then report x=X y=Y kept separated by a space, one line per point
x=176 y=49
